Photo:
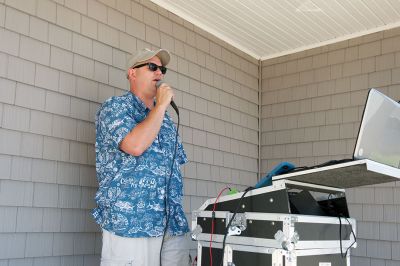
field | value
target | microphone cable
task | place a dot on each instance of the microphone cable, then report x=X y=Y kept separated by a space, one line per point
x=169 y=181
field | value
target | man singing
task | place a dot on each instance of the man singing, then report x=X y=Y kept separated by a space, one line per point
x=138 y=169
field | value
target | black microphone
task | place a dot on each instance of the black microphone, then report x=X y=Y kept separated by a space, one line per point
x=158 y=84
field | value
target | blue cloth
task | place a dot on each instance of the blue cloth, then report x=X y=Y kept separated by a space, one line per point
x=132 y=189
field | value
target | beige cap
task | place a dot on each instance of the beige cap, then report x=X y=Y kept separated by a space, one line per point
x=145 y=54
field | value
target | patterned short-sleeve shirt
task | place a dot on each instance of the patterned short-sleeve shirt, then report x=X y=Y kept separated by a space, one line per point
x=132 y=189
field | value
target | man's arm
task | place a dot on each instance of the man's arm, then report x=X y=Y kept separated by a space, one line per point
x=144 y=133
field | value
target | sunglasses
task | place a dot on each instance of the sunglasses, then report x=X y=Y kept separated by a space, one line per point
x=153 y=67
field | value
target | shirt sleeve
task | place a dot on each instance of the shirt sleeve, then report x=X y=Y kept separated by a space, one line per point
x=114 y=122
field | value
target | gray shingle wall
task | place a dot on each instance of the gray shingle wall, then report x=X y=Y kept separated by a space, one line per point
x=312 y=104
x=58 y=61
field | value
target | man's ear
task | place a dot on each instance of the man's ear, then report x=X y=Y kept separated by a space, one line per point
x=131 y=73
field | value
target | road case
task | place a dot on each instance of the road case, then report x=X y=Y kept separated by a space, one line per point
x=241 y=255
x=301 y=219
x=319 y=191
x=288 y=214
x=285 y=196
x=275 y=230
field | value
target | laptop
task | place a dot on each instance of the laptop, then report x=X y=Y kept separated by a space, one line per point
x=378 y=140
x=379 y=134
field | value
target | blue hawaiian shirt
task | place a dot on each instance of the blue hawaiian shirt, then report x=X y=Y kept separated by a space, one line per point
x=132 y=189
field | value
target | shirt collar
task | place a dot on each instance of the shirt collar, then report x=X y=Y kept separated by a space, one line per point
x=137 y=102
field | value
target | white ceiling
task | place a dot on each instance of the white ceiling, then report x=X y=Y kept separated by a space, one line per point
x=270 y=28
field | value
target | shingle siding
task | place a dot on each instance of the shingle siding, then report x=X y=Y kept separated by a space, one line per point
x=332 y=89
x=58 y=61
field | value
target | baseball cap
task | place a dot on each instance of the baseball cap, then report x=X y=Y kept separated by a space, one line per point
x=145 y=54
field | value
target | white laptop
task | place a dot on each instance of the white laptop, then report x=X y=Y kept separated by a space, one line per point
x=379 y=135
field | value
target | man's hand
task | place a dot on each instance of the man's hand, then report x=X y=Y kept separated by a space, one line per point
x=164 y=95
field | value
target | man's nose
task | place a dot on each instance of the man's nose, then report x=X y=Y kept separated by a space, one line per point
x=158 y=71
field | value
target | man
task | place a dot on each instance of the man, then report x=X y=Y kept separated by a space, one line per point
x=135 y=145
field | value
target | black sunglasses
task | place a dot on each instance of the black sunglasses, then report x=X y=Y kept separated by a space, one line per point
x=153 y=67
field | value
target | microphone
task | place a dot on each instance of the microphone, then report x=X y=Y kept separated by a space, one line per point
x=158 y=84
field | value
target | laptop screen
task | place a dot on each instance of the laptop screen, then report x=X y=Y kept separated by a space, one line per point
x=379 y=135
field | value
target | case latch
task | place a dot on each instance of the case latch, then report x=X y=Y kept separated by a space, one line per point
x=196 y=232
x=238 y=224
x=286 y=243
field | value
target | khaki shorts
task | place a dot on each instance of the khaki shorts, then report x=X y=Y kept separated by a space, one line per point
x=124 y=251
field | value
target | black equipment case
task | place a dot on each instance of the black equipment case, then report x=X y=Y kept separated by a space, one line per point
x=242 y=255
x=301 y=219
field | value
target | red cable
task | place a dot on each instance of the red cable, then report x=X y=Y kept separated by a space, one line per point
x=212 y=222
